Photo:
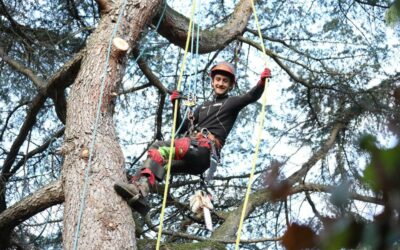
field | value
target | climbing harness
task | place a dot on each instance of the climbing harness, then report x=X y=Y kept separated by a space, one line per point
x=191 y=121
x=260 y=129
x=214 y=153
x=190 y=103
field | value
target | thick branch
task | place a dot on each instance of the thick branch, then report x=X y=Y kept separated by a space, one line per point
x=153 y=79
x=174 y=27
x=42 y=199
x=327 y=189
x=54 y=87
x=16 y=27
x=193 y=237
x=160 y=109
x=62 y=79
x=104 y=5
x=372 y=3
x=38 y=81
x=161 y=89
x=278 y=61
x=229 y=228
x=318 y=155
x=8 y=118
x=30 y=120
x=37 y=150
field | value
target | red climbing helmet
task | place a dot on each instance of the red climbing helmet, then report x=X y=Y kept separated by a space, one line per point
x=226 y=69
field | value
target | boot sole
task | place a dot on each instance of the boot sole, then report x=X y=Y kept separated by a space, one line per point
x=139 y=204
x=123 y=192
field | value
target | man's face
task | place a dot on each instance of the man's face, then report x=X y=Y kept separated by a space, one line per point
x=221 y=84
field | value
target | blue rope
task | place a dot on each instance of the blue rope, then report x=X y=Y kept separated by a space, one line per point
x=183 y=121
x=83 y=195
x=157 y=26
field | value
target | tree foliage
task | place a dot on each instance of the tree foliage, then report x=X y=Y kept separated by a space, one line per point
x=320 y=182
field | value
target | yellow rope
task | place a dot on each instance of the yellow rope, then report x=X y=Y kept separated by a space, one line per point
x=173 y=128
x=260 y=129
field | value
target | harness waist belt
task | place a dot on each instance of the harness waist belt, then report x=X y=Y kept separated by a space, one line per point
x=209 y=136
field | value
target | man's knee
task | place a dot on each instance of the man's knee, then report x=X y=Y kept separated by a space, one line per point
x=182 y=146
x=156 y=156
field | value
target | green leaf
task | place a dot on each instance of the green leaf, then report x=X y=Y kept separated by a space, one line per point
x=390 y=159
x=370 y=178
x=367 y=142
x=331 y=25
x=392 y=16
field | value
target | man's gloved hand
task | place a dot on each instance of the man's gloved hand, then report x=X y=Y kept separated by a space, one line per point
x=175 y=95
x=264 y=75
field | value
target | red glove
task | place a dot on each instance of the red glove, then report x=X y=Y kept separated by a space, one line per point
x=175 y=95
x=264 y=75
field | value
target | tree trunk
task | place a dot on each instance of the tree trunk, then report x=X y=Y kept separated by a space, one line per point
x=106 y=220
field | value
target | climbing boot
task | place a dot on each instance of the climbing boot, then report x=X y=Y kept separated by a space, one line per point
x=135 y=194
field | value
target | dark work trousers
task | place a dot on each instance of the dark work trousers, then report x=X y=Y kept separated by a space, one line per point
x=189 y=155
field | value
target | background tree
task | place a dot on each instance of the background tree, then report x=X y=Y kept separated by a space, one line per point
x=335 y=78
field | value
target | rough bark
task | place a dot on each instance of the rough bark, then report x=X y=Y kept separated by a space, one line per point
x=208 y=245
x=106 y=222
x=174 y=27
x=40 y=200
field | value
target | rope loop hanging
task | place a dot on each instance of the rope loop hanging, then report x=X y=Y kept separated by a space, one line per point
x=259 y=133
x=168 y=174
x=190 y=100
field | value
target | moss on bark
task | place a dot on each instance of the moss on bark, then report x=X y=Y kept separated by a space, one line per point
x=205 y=245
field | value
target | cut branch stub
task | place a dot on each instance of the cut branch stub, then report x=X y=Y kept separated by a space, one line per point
x=104 y=6
x=120 y=47
x=85 y=153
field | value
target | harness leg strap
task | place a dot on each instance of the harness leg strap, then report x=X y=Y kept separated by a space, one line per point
x=155 y=168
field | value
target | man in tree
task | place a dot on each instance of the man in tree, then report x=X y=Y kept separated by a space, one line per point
x=205 y=135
